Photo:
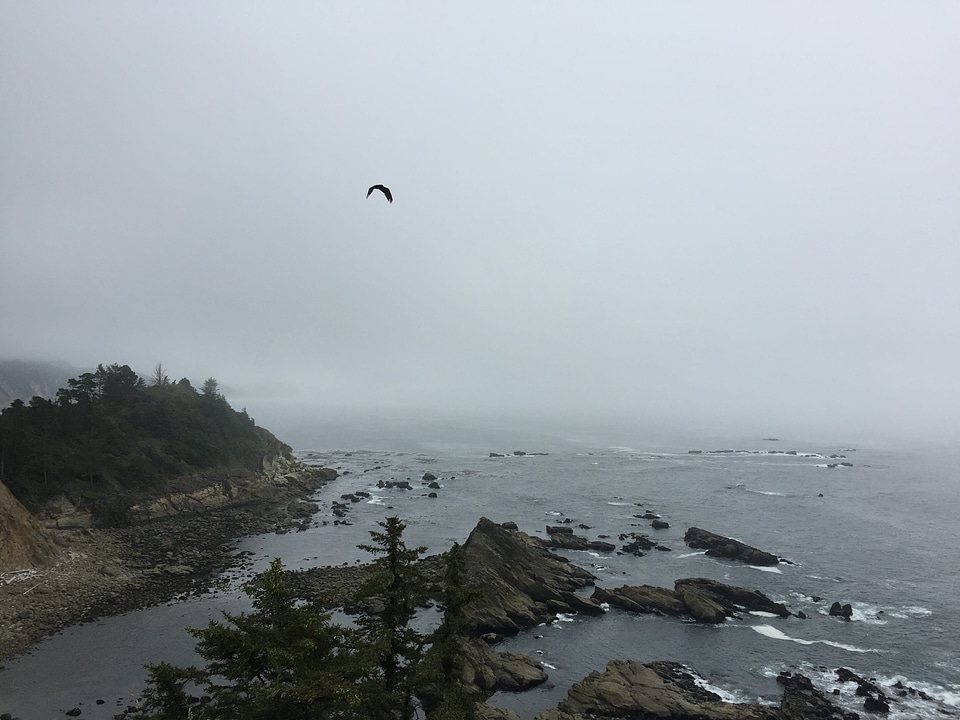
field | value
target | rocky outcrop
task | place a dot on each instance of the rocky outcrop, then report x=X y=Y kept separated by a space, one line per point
x=203 y=493
x=667 y=690
x=565 y=539
x=629 y=689
x=23 y=543
x=646 y=599
x=720 y=546
x=520 y=582
x=489 y=670
x=706 y=601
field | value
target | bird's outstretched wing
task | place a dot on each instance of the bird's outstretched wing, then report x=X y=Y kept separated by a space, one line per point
x=385 y=190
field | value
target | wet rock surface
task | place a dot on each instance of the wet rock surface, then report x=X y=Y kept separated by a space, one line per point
x=720 y=546
x=704 y=600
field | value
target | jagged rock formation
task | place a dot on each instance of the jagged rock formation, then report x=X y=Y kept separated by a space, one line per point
x=521 y=583
x=23 y=543
x=720 y=546
x=704 y=600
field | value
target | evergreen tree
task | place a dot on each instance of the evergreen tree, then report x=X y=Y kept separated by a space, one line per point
x=443 y=691
x=283 y=661
x=396 y=648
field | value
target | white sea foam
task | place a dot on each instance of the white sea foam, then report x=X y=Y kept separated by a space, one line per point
x=566 y=617
x=941 y=701
x=375 y=500
x=686 y=555
x=775 y=634
x=766 y=492
x=763 y=613
x=767 y=568
x=862 y=612
x=548 y=666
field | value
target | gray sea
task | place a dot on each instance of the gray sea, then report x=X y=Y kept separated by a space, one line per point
x=870 y=524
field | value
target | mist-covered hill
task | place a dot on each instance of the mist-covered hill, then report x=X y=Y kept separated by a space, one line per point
x=23 y=379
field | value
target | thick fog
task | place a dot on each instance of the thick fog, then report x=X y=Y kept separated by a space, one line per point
x=728 y=214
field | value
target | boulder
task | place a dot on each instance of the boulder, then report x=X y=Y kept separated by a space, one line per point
x=720 y=546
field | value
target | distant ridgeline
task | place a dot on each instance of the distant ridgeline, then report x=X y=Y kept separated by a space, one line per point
x=109 y=432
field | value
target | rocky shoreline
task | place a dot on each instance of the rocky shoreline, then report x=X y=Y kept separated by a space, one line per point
x=98 y=572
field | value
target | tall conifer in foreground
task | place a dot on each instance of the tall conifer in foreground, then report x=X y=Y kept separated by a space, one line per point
x=394 y=592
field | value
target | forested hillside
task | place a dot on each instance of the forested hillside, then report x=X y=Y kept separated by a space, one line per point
x=110 y=431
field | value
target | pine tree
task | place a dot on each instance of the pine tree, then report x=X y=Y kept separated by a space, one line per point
x=283 y=661
x=396 y=648
x=443 y=691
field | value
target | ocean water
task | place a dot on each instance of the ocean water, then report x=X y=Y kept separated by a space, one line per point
x=881 y=534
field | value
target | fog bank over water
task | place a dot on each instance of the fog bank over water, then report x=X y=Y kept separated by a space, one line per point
x=737 y=217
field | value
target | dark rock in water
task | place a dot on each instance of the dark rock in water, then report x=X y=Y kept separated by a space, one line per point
x=876 y=705
x=731 y=597
x=432 y=495
x=659 y=524
x=720 y=546
x=638 y=544
x=434 y=485
x=521 y=583
x=519 y=453
x=844 y=611
x=74 y=712
x=429 y=477
x=563 y=537
x=802 y=701
x=874 y=699
x=495 y=454
x=706 y=601
x=647 y=599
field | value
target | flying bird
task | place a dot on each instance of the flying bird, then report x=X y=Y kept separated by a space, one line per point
x=385 y=190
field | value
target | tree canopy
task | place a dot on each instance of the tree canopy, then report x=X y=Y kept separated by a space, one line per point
x=287 y=660
x=109 y=431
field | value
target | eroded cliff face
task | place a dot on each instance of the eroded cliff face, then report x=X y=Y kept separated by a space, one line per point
x=23 y=543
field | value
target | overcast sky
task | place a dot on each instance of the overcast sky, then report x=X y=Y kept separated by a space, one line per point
x=715 y=212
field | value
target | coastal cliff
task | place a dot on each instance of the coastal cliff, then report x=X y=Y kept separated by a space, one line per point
x=23 y=543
